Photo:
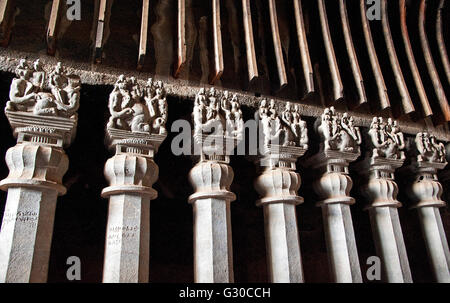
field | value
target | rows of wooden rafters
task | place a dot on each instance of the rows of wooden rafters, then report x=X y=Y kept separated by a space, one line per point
x=398 y=64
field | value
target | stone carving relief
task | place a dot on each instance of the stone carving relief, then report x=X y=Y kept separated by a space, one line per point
x=33 y=91
x=339 y=132
x=387 y=139
x=287 y=130
x=138 y=109
x=217 y=114
x=429 y=149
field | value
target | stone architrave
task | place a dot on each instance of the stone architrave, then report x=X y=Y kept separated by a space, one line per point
x=135 y=131
x=339 y=146
x=387 y=155
x=218 y=127
x=42 y=113
x=427 y=192
x=284 y=140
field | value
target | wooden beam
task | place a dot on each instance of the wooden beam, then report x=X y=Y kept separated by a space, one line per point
x=357 y=75
x=249 y=41
x=440 y=94
x=406 y=102
x=182 y=53
x=52 y=29
x=217 y=36
x=384 y=102
x=441 y=41
x=338 y=87
x=426 y=108
x=304 y=49
x=6 y=20
x=144 y=34
x=277 y=44
x=103 y=16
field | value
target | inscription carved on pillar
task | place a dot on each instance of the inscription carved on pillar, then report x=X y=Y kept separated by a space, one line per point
x=427 y=191
x=339 y=146
x=135 y=131
x=42 y=112
x=285 y=140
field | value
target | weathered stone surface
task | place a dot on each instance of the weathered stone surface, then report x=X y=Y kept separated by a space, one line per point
x=43 y=121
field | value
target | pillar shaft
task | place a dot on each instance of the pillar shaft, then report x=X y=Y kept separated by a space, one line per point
x=213 y=254
x=283 y=243
x=341 y=244
x=390 y=244
x=278 y=188
x=26 y=235
x=127 y=239
x=436 y=242
x=387 y=232
x=128 y=229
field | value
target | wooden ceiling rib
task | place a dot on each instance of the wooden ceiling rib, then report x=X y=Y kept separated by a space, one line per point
x=217 y=37
x=103 y=17
x=439 y=90
x=278 y=49
x=383 y=101
x=357 y=75
x=304 y=48
x=144 y=33
x=52 y=29
x=252 y=64
x=338 y=86
x=6 y=12
x=294 y=49
x=426 y=108
x=181 y=30
x=440 y=39
x=406 y=103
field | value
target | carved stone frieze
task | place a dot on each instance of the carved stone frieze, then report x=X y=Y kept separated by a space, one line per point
x=138 y=109
x=218 y=124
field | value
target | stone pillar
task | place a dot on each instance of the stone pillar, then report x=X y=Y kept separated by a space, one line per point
x=278 y=185
x=36 y=165
x=427 y=191
x=131 y=172
x=340 y=146
x=215 y=136
x=382 y=191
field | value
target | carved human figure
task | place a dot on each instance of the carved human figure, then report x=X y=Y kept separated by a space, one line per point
x=138 y=109
x=438 y=150
x=29 y=92
x=328 y=129
x=22 y=93
x=39 y=78
x=118 y=99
